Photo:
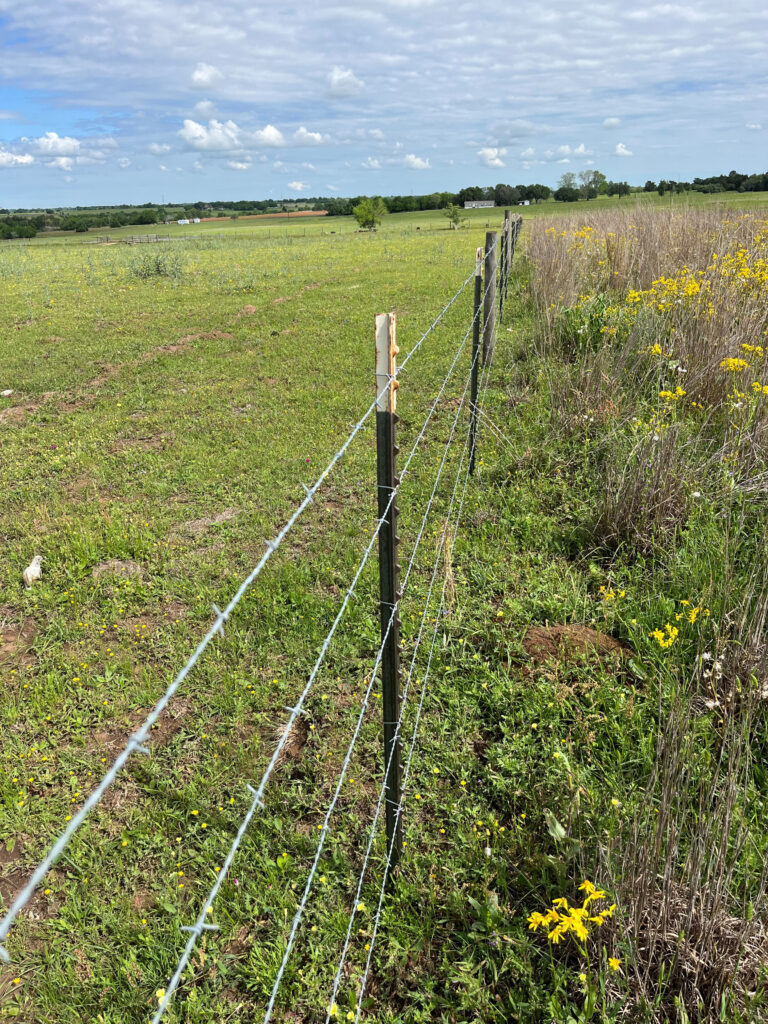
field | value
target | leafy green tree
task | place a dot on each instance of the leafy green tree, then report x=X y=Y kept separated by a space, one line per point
x=567 y=180
x=566 y=194
x=649 y=186
x=453 y=213
x=369 y=211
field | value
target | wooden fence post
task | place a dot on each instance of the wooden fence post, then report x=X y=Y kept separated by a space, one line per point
x=475 y=357
x=489 y=302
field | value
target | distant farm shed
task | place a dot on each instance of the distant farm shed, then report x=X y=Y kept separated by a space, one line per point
x=478 y=204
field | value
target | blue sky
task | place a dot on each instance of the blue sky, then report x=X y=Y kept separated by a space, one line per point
x=153 y=100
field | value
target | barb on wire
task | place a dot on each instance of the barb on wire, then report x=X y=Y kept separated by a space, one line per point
x=138 y=741
x=296 y=710
x=382 y=892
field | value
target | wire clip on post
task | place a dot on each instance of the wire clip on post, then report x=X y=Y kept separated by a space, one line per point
x=489 y=306
x=386 y=452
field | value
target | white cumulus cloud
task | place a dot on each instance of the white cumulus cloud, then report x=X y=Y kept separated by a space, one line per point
x=491 y=156
x=611 y=122
x=296 y=186
x=344 y=82
x=754 y=127
x=53 y=144
x=219 y=135
x=123 y=162
x=269 y=136
x=158 y=148
x=8 y=159
x=238 y=165
x=205 y=74
x=63 y=163
x=371 y=164
x=306 y=138
x=528 y=154
x=621 y=150
x=416 y=163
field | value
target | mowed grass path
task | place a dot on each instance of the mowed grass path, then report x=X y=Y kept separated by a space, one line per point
x=158 y=433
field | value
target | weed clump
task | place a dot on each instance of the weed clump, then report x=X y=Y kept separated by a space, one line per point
x=155 y=263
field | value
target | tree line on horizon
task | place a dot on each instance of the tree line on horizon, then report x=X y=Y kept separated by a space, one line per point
x=572 y=187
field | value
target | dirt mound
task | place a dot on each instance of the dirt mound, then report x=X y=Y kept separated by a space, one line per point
x=558 y=643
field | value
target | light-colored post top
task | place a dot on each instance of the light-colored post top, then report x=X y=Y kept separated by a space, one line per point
x=479 y=261
x=386 y=362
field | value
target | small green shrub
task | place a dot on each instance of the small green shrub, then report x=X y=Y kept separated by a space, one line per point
x=155 y=263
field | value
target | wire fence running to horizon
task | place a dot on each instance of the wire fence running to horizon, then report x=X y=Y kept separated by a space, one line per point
x=138 y=741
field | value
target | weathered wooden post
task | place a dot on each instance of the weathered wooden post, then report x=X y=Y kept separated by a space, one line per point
x=389 y=587
x=475 y=372
x=489 y=302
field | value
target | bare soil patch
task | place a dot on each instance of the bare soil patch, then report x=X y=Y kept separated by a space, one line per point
x=197 y=527
x=564 y=643
x=117 y=567
x=15 y=641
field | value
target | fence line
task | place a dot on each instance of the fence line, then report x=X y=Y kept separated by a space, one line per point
x=138 y=740
x=296 y=711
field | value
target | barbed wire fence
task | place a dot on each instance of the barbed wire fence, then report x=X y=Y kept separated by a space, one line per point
x=493 y=263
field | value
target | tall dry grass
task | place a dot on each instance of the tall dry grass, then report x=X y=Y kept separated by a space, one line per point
x=639 y=312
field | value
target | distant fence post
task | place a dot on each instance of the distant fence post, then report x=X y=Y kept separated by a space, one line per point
x=489 y=303
x=504 y=261
x=475 y=356
x=389 y=586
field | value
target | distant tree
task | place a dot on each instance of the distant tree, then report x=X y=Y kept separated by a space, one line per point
x=453 y=213
x=538 y=192
x=590 y=182
x=649 y=186
x=566 y=194
x=505 y=195
x=369 y=211
x=567 y=180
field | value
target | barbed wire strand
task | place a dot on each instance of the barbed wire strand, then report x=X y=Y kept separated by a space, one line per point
x=258 y=793
x=383 y=789
x=398 y=813
x=138 y=740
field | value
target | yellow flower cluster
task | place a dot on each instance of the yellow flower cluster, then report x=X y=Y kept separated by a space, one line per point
x=666 y=637
x=759 y=388
x=673 y=396
x=732 y=365
x=561 y=919
x=611 y=595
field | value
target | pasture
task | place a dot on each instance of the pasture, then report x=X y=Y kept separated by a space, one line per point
x=595 y=706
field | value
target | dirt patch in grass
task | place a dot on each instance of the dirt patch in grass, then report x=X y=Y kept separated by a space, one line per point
x=16 y=413
x=15 y=640
x=563 y=643
x=197 y=527
x=246 y=311
x=117 y=567
x=109 y=742
x=295 y=741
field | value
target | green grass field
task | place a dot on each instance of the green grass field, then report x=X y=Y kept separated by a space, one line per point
x=160 y=430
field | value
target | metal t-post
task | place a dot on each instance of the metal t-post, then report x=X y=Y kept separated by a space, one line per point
x=389 y=586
